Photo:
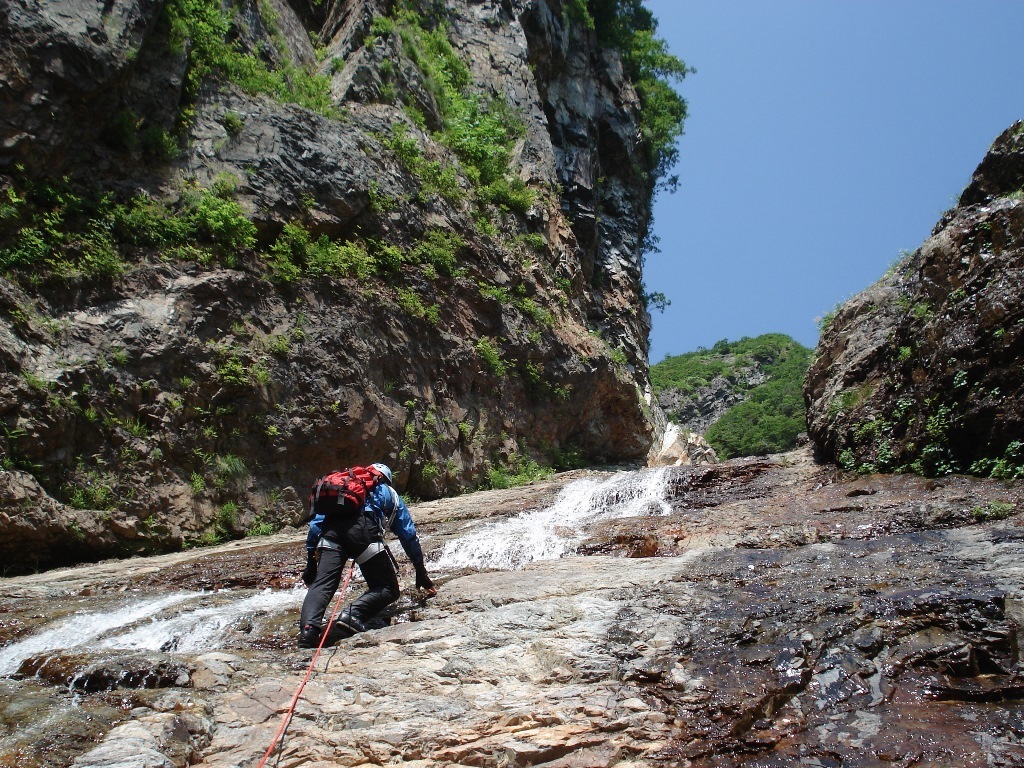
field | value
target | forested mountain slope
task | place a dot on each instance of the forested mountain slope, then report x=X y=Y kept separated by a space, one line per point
x=743 y=396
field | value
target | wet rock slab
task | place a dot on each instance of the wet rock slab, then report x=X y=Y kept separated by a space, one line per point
x=782 y=614
x=109 y=672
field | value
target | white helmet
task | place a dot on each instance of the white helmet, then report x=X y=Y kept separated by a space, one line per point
x=384 y=469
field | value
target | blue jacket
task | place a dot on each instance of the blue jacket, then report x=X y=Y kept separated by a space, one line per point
x=384 y=504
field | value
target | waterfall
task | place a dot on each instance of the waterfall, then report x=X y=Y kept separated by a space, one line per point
x=151 y=625
x=672 y=432
x=555 y=531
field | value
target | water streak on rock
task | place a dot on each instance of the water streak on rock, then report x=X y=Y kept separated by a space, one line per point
x=83 y=629
x=554 y=531
x=194 y=630
x=203 y=628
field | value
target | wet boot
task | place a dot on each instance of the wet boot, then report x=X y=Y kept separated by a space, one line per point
x=337 y=632
x=349 y=622
x=309 y=637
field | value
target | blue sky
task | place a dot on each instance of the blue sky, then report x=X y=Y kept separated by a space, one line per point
x=824 y=137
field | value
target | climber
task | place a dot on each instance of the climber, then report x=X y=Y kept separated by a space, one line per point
x=335 y=538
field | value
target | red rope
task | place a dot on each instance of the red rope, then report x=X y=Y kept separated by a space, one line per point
x=295 y=699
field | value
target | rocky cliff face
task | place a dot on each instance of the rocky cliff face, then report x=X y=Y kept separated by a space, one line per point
x=923 y=370
x=237 y=255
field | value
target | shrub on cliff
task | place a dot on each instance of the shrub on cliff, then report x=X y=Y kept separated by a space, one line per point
x=209 y=36
x=480 y=130
x=631 y=28
x=295 y=253
x=50 y=231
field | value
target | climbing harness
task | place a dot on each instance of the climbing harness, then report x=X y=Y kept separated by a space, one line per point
x=374 y=548
x=279 y=736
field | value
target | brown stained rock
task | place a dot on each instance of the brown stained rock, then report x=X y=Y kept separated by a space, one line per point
x=83 y=673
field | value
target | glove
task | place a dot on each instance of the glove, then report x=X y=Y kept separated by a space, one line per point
x=423 y=582
x=309 y=574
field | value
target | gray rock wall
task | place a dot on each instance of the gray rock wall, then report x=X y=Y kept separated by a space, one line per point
x=184 y=395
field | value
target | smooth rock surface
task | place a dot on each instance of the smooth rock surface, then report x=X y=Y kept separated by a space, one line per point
x=781 y=613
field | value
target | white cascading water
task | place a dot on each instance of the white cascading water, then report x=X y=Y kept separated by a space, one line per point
x=555 y=531
x=672 y=432
x=81 y=629
x=150 y=625
x=202 y=628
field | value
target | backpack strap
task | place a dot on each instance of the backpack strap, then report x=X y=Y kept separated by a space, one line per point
x=393 y=497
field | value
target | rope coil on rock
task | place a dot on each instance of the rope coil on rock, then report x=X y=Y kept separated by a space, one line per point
x=290 y=712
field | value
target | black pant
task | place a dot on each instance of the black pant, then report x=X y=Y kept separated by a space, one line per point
x=381 y=587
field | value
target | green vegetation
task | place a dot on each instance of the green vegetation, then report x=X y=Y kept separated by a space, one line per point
x=825 y=321
x=49 y=231
x=232 y=123
x=410 y=301
x=235 y=370
x=993 y=510
x=295 y=254
x=496 y=292
x=227 y=517
x=540 y=315
x=617 y=356
x=435 y=178
x=229 y=470
x=1009 y=466
x=656 y=300
x=260 y=527
x=212 y=42
x=533 y=240
x=440 y=249
x=491 y=357
x=36 y=382
x=12 y=457
x=539 y=386
x=91 y=489
x=53 y=232
x=128 y=132
x=481 y=130
x=920 y=436
x=518 y=471
x=771 y=416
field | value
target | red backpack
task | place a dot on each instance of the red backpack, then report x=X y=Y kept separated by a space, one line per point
x=343 y=491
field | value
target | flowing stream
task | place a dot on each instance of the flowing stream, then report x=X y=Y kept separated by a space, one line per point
x=556 y=531
x=189 y=622
x=51 y=709
x=157 y=624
